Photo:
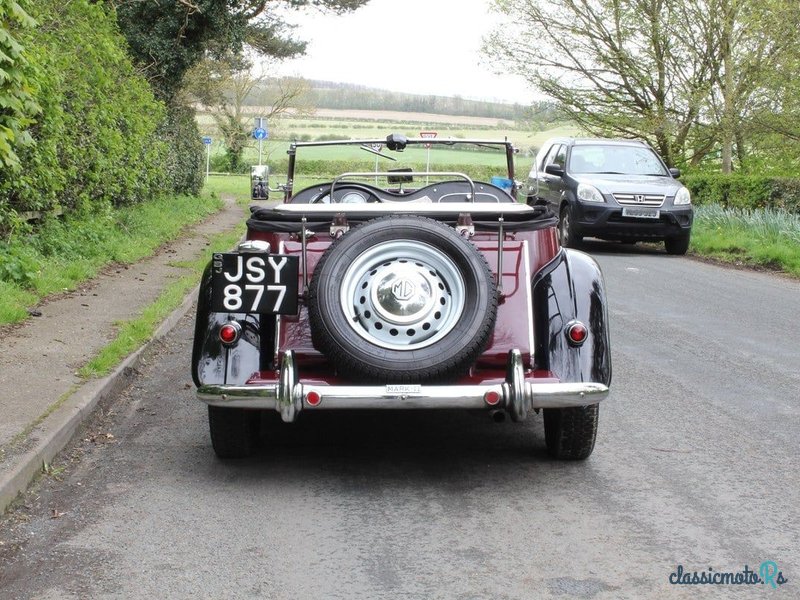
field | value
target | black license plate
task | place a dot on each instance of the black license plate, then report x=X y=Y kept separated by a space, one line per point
x=254 y=283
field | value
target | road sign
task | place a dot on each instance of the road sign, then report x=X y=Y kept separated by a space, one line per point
x=427 y=135
x=260 y=133
x=376 y=147
x=207 y=140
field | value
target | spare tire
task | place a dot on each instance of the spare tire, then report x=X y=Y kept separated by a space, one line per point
x=402 y=299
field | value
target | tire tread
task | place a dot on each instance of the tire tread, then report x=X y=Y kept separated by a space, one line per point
x=570 y=433
x=234 y=431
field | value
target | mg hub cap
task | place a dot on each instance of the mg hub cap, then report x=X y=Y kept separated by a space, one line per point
x=402 y=295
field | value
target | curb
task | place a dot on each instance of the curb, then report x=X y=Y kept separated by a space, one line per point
x=57 y=430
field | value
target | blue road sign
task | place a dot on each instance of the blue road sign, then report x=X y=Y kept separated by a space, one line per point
x=207 y=140
x=260 y=133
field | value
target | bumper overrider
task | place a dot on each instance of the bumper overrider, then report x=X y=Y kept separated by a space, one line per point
x=515 y=395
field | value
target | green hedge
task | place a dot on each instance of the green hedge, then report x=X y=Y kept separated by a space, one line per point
x=744 y=191
x=18 y=106
x=95 y=141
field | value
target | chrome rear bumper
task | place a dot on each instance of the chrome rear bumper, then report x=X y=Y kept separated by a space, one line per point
x=515 y=395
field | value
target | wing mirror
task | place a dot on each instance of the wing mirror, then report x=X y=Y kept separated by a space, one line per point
x=675 y=172
x=554 y=169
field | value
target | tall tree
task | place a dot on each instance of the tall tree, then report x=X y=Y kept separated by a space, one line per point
x=167 y=37
x=756 y=40
x=227 y=87
x=680 y=73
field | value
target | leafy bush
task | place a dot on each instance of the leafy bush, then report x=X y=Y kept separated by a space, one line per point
x=69 y=249
x=17 y=264
x=95 y=140
x=185 y=161
x=17 y=103
x=219 y=163
x=744 y=191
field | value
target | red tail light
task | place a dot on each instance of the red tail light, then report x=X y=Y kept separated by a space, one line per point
x=576 y=333
x=492 y=398
x=229 y=333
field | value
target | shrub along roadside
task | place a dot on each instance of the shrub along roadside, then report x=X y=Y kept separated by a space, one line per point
x=744 y=191
x=761 y=237
x=62 y=254
x=134 y=333
x=100 y=137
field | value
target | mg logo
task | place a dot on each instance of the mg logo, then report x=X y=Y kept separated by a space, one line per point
x=639 y=198
x=403 y=289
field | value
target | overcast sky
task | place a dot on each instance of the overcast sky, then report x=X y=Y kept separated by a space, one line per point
x=415 y=46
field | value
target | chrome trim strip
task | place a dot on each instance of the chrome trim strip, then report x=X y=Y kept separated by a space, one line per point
x=304 y=253
x=406 y=207
x=528 y=294
x=500 y=236
x=517 y=395
x=650 y=200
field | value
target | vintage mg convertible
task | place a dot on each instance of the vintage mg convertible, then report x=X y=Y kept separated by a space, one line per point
x=402 y=288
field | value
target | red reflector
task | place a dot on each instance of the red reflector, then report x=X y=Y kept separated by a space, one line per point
x=313 y=398
x=492 y=398
x=577 y=333
x=228 y=333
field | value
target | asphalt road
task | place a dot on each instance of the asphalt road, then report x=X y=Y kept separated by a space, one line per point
x=696 y=465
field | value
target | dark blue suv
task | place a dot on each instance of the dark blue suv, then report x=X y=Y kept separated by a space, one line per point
x=613 y=190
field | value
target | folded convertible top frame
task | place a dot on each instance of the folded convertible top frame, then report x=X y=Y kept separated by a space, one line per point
x=377 y=174
x=490 y=210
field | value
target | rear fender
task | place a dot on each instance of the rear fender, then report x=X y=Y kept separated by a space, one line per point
x=216 y=363
x=571 y=287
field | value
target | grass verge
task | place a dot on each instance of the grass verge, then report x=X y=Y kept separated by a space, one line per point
x=237 y=186
x=761 y=238
x=61 y=254
x=134 y=333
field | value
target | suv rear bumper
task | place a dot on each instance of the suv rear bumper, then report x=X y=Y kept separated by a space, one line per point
x=289 y=395
x=607 y=222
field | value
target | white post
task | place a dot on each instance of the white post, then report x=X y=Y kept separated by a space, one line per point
x=259 y=152
x=208 y=159
x=376 y=169
x=428 y=167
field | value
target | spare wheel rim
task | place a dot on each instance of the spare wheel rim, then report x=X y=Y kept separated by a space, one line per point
x=402 y=295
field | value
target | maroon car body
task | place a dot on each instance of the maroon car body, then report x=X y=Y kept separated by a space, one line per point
x=475 y=306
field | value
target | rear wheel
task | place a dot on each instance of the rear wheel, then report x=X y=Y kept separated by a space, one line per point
x=567 y=235
x=677 y=245
x=570 y=433
x=234 y=431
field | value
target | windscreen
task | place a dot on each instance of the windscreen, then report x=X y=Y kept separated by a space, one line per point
x=615 y=159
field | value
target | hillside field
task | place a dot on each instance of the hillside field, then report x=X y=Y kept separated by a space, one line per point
x=335 y=124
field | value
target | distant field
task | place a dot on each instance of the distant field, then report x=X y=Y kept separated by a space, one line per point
x=348 y=127
x=359 y=124
x=390 y=115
